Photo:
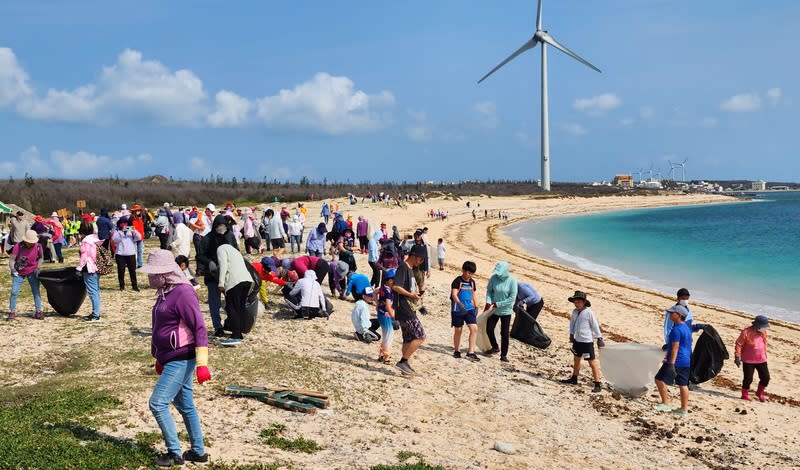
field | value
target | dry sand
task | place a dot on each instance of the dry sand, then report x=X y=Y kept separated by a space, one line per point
x=455 y=411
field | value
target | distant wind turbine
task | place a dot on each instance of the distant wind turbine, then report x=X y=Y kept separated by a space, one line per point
x=541 y=36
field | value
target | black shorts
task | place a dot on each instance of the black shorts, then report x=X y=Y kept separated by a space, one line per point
x=277 y=243
x=412 y=330
x=585 y=350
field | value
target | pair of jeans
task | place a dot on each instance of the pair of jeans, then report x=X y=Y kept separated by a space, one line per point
x=129 y=262
x=59 y=255
x=505 y=324
x=16 y=285
x=316 y=253
x=376 y=274
x=294 y=239
x=175 y=386
x=214 y=303
x=139 y=250
x=92 y=281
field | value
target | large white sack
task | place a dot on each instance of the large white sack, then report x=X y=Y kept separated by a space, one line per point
x=482 y=340
x=631 y=368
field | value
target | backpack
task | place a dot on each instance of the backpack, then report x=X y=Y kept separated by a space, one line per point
x=105 y=261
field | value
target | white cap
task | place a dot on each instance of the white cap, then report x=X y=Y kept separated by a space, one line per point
x=124 y=207
x=368 y=291
x=166 y=204
x=211 y=207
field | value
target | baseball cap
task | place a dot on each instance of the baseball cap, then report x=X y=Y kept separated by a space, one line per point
x=680 y=310
x=418 y=250
x=211 y=207
x=369 y=291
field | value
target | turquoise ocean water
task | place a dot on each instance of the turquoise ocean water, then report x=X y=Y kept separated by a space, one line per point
x=744 y=256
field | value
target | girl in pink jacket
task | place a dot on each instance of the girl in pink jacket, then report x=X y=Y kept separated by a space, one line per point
x=87 y=267
x=751 y=349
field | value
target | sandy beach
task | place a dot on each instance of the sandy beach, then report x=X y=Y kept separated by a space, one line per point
x=452 y=413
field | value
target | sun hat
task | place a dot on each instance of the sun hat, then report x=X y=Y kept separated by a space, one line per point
x=580 y=295
x=136 y=207
x=38 y=218
x=159 y=262
x=683 y=291
x=211 y=207
x=30 y=237
x=418 y=250
x=761 y=321
x=342 y=269
x=54 y=214
x=679 y=309
x=292 y=275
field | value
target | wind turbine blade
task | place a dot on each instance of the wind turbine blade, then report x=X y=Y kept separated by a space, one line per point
x=552 y=41
x=539 y=17
x=528 y=45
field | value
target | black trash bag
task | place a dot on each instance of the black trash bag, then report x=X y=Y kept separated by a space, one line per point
x=708 y=356
x=65 y=289
x=528 y=330
x=248 y=318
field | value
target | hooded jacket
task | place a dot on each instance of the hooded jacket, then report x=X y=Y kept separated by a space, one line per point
x=310 y=291
x=232 y=268
x=502 y=290
x=104 y=225
x=207 y=248
x=373 y=247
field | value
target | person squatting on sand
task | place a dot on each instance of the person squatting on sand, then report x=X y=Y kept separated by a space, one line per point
x=312 y=300
x=365 y=327
x=87 y=266
x=583 y=329
x=463 y=299
x=409 y=297
x=751 y=354
x=180 y=347
x=677 y=362
x=24 y=260
x=501 y=293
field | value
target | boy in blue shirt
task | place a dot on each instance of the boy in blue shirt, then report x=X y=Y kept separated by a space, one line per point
x=675 y=369
x=463 y=300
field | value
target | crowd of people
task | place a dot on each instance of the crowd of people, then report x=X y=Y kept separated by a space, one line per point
x=239 y=251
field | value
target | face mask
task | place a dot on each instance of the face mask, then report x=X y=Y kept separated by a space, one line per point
x=157 y=281
x=221 y=229
x=683 y=302
x=762 y=329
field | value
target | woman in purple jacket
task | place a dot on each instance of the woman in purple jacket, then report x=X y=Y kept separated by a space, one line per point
x=179 y=345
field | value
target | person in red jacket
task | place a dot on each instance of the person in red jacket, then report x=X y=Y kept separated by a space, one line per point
x=137 y=222
x=751 y=349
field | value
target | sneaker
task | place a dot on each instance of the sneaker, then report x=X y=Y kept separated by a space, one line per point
x=230 y=342
x=473 y=357
x=572 y=381
x=503 y=359
x=219 y=332
x=39 y=315
x=680 y=412
x=597 y=388
x=169 y=460
x=11 y=316
x=191 y=456
x=493 y=351
x=404 y=368
x=662 y=408
x=457 y=354
x=91 y=319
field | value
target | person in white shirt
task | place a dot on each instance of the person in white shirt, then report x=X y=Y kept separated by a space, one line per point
x=583 y=330
x=440 y=251
x=366 y=327
x=312 y=300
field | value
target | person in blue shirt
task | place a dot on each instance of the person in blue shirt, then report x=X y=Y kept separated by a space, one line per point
x=677 y=362
x=463 y=300
x=682 y=300
x=529 y=300
x=357 y=283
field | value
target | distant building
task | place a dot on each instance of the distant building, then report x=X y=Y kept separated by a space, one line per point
x=759 y=185
x=626 y=181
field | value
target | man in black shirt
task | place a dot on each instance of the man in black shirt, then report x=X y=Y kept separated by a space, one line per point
x=405 y=287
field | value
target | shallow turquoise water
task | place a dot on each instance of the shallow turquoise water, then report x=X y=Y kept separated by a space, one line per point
x=742 y=255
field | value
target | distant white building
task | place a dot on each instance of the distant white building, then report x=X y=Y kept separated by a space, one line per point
x=759 y=185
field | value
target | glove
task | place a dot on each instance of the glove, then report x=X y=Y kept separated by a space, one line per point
x=600 y=343
x=203 y=374
x=670 y=371
x=738 y=361
x=521 y=305
x=159 y=368
x=700 y=326
x=14 y=273
x=664 y=347
x=571 y=338
x=212 y=267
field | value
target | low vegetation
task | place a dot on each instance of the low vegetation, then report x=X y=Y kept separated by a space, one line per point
x=273 y=437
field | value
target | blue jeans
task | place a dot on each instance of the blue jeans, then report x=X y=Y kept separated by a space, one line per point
x=214 y=304
x=16 y=285
x=139 y=250
x=294 y=239
x=175 y=386
x=92 y=281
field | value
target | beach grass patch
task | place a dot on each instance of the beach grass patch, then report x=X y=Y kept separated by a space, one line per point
x=403 y=456
x=273 y=437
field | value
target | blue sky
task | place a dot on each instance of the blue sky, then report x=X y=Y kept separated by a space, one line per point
x=358 y=90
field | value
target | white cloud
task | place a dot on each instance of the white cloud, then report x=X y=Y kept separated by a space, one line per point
x=328 y=104
x=13 y=79
x=627 y=122
x=419 y=130
x=774 y=95
x=744 y=103
x=273 y=171
x=646 y=113
x=709 y=122
x=487 y=114
x=79 y=164
x=231 y=111
x=575 y=129
x=597 y=105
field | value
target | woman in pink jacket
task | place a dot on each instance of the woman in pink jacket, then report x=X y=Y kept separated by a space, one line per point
x=751 y=349
x=87 y=267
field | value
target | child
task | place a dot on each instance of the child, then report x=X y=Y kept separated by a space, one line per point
x=440 y=249
x=386 y=316
x=24 y=263
x=183 y=263
x=675 y=369
x=365 y=327
x=583 y=328
x=751 y=348
x=463 y=298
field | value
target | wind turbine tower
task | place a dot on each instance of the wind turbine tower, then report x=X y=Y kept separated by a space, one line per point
x=543 y=38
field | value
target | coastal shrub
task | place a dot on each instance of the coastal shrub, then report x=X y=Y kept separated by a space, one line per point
x=273 y=437
x=405 y=455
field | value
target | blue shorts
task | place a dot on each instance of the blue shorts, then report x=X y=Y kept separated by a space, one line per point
x=681 y=380
x=457 y=319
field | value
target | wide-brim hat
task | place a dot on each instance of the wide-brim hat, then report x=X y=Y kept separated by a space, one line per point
x=136 y=207
x=54 y=214
x=159 y=262
x=580 y=295
x=761 y=322
x=30 y=237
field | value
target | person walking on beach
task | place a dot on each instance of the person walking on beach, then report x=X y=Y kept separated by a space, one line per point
x=408 y=299
x=87 y=266
x=235 y=282
x=373 y=255
x=17 y=228
x=55 y=225
x=386 y=316
x=179 y=345
x=751 y=354
x=583 y=329
x=325 y=213
x=24 y=261
x=501 y=293
x=207 y=259
x=362 y=228
x=277 y=235
x=464 y=298
x=440 y=251
x=125 y=238
x=677 y=362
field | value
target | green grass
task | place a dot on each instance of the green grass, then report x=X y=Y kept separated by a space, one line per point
x=405 y=455
x=273 y=436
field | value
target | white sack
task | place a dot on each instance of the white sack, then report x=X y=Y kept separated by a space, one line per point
x=631 y=368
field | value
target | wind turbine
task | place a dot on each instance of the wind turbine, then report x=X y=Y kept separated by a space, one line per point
x=541 y=36
x=683 y=169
